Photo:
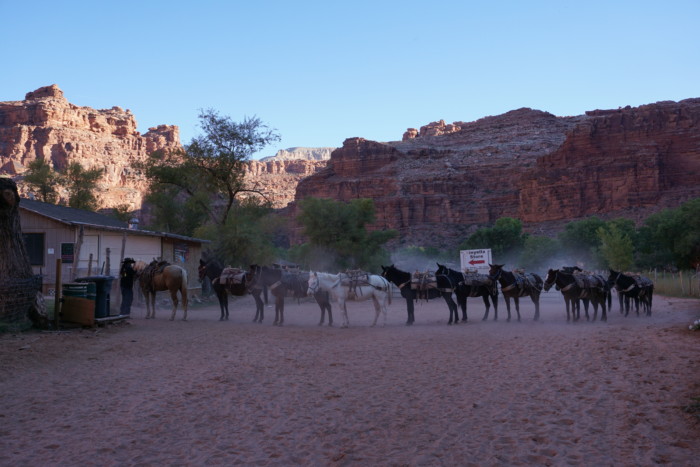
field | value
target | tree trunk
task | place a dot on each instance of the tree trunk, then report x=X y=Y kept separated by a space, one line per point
x=20 y=289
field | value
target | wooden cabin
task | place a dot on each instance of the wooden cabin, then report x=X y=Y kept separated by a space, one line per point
x=89 y=243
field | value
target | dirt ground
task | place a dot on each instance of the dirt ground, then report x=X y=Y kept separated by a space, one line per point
x=206 y=392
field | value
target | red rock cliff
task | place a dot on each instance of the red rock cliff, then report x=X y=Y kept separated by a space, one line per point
x=45 y=125
x=436 y=187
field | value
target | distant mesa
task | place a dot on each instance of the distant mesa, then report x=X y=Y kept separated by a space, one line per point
x=306 y=154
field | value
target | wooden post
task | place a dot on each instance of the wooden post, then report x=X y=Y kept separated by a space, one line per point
x=57 y=294
x=108 y=251
x=89 y=273
x=76 y=260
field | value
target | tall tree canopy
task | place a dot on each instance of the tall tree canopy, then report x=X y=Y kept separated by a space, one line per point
x=211 y=169
x=42 y=180
x=338 y=236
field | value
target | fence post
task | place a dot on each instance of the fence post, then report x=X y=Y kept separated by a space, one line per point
x=57 y=294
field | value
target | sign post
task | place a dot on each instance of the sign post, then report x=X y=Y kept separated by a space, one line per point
x=475 y=260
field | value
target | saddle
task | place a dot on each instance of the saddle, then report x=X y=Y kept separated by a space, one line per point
x=421 y=282
x=149 y=272
x=354 y=279
x=587 y=282
x=232 y=276
x=474 y=280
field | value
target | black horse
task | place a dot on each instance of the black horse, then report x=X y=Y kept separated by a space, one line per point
x=640 y=289
x=212 y=269
x=515 y=285
x=472 y=285
x=412 y=291
x=281 y=283
x=580 y=286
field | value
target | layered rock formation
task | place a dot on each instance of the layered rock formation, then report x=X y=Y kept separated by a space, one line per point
x=304 y=154
x=439 y=184
x=45 y=125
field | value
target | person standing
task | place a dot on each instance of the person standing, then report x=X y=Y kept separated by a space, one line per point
x=126 y=284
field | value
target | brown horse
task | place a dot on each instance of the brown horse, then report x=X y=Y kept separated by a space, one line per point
x=159 y=276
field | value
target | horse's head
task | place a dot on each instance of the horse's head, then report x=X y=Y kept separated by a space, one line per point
x=139 y=266
x=613 y=277
x=313 y=284
x=495 y=271
x=550 y=279
x=442 y=269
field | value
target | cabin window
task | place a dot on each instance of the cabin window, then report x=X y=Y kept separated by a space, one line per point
x=34 y=243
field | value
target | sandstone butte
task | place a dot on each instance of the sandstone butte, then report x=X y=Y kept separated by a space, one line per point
x=45 y=125
x=442 y=182
x=436 y=185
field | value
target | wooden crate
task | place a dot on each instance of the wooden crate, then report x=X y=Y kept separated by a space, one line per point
x=78 y=310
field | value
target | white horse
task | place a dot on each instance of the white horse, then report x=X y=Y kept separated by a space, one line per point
x=343 y=287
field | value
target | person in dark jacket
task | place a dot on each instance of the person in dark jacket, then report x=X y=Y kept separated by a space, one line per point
x=126 y=284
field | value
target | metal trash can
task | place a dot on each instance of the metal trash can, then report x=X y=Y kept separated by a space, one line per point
x=102 y=291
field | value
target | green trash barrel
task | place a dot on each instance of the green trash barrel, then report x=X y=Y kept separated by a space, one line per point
x=74 y=289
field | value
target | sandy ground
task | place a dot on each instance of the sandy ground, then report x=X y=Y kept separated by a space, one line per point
x=205 y=392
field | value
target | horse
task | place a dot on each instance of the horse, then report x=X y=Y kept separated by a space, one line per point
x=281 y=282
x=213 y=270
x=354 y=286
x=411 y=290
x=515 y=285
x=634 y=287
x=472 y=285
x=580 y=286
x=158 y=276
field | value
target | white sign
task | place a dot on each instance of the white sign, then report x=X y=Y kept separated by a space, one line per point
x=475 y=260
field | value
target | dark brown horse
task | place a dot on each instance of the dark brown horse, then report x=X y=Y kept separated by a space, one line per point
x=158 y=276
x=472 y=285
x=222 y=283
x=282 y=283
x=515 y=285
x=636 y=288
x=412 y=290
x=580 y=286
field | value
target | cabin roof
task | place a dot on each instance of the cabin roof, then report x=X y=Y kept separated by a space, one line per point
x=78 y=217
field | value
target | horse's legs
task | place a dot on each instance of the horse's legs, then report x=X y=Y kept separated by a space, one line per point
x=462 y=299
x=377 y=310
x=494 y=300
x=346 y=321
x=536 y=300
x=173 y=297
x=411 y=311
x=452 y=306
x=279 y=310
x=152 y=300
x=485 y=298
x=516 y=300
x=507 y=298
x=330 y=314
x=259 y=307
x=567 y=301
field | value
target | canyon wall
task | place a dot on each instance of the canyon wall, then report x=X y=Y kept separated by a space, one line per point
x=45 y=125
x=442 y=182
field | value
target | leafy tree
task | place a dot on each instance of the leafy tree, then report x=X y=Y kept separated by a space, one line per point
x=173 y=212
x=616 y=248
x=672 y=236
x=580 y=240
x=338 y=236
x=504 y=238
x=247 y=237
x=81 y=185
x=538 y=252
x=211 y=169
x=42 y=180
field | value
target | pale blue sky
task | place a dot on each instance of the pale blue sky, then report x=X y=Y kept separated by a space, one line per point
x=323 y=71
